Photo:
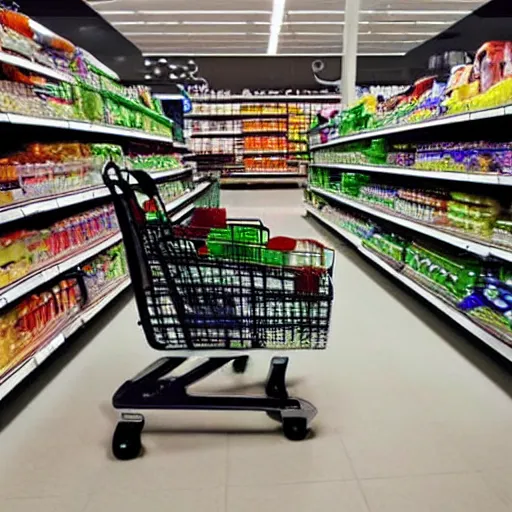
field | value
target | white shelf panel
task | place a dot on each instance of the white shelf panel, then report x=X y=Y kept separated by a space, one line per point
x=488 y=179
x=425 y=125
x=85 y=127
x=480 y=249
x=8 y=383
x=459 y=317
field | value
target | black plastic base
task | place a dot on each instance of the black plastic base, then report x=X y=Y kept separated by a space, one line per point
x=154 y=388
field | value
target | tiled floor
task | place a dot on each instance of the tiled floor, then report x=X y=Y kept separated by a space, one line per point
x=412 y=417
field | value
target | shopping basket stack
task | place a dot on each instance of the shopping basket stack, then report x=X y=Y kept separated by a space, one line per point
x=216 y=284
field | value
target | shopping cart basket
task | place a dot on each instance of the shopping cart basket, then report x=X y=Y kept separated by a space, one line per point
x=223 y=286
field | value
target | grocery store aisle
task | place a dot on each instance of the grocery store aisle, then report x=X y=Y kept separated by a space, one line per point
x=411 y=416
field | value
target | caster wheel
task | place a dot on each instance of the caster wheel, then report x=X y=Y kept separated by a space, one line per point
x=275 y=415
x=295 y=429
x=126 y=443
x=240 y=364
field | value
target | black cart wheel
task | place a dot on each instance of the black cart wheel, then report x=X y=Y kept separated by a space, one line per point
x=126 y=443
x=295 y=429
x=240 y=364
x=275 y=415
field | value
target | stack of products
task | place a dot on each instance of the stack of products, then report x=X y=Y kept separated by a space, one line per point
x=50 y=169
x=481 y=290
x=172 y=190
x=484 y=84
x=471 y=157
x=91 y=93
x=263 y=125
x=210 y=125
x=265 y=144
x=34 y=321
x=24 y=252
x=28 y=325
x=105 y=271
x=266 y=164
x=475 y=216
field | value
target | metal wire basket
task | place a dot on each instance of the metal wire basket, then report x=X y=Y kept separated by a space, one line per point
x=219 y=288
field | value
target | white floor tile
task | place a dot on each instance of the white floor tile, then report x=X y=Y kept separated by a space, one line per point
x=304 y=497
x=211 y=500
x=75 y=503
x=446 y=493
x=500 y=481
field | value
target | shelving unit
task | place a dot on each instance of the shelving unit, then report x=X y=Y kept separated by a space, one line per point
x=445 y=121
x=480 y=249
x=480 y=125
x=484 y=179
x=225 y=140
x=43 y=299
x=445 y=308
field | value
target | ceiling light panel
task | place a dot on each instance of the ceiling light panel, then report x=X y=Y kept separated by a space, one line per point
x=280 y=26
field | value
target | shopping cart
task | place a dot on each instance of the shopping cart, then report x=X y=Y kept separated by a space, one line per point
x=222 y=286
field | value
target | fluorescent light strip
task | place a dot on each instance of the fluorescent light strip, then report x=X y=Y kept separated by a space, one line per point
x=152 y=53
x=161 y=13
x=215 y=22
x=172 y=34
x=276 y=23
x=389 y=11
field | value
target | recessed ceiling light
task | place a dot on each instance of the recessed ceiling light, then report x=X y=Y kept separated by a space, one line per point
x=215 y=23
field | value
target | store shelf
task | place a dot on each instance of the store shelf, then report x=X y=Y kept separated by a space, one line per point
x=189 y=196
x=480 y=249
x=263 y=181
x=15 y=377
x=268 y=97
x=447 y=309
x=235 y=116
x=20 y=119
x=42 y=276
x=40 y=69
x=16 y=212
x=487 y=179
x=424 y=125
x=266 y=174
x=220 y=134
x=39 y=277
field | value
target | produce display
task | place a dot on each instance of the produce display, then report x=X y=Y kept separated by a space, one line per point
x=474 y=216
x=480 y=289
x=468 y=157
x=26 y=251
x=35 y=320
x=484 y=84
x=91 y=93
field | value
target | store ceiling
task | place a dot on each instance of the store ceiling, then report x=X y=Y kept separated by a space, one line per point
x=229 y=27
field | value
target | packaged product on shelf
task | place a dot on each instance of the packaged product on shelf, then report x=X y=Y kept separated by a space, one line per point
x=33 y=321
x=490 y=304
x=388 y=245
x=105 y=270
x=476 y=215
x=453 y=276
x=23 y=252
x=502 y=233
